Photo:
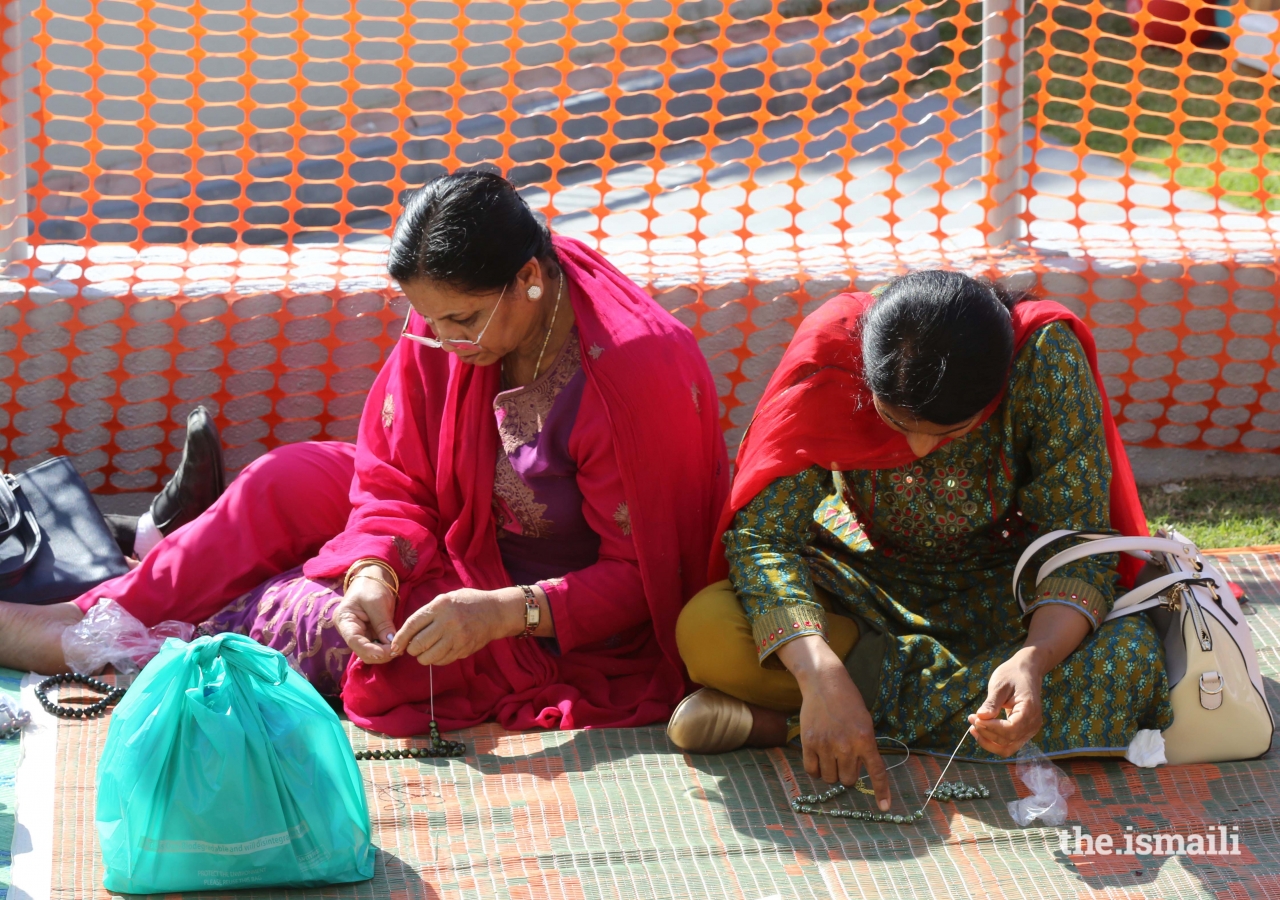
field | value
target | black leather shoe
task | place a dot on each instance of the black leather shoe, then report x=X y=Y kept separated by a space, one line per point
x=124 y=529
x=200 y=479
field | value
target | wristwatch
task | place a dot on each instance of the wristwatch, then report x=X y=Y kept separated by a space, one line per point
x=532 y=611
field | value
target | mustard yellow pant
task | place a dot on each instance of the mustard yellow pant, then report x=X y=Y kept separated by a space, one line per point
x=716 y=644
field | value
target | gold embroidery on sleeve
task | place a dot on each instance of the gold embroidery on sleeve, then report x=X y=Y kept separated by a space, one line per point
x=408 y=552
x=622 y=518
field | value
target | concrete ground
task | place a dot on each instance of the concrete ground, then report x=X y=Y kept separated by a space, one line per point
x=1157 y=465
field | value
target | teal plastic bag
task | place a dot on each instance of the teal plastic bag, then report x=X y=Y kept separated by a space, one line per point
x=224 y=768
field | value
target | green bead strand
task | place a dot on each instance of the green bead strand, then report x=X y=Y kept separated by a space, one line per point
x=950 y=791
x=437 y=749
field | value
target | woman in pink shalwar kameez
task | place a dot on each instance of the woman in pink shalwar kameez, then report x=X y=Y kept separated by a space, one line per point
x=529 y=503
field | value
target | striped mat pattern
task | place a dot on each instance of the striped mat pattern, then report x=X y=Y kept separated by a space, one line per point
x=10 y=754
x=619 y=814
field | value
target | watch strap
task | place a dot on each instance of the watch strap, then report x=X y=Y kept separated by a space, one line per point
x=532 y=611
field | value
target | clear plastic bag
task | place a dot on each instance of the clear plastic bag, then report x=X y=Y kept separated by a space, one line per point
x=108 y=634
x=1050 y=787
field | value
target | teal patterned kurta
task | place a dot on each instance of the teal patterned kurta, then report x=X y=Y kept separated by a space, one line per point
x=925 y=554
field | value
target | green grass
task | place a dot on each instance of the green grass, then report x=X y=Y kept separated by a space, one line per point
x=1219 y=512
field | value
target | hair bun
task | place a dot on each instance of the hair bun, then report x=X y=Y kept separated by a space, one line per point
x=938 y=344
x=471 y=230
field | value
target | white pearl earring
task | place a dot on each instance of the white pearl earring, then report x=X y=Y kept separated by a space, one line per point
x=535 y=292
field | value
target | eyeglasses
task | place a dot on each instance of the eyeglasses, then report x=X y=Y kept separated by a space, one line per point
x=439 y=344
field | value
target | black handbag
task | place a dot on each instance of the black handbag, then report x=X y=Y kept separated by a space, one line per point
x=54 y=543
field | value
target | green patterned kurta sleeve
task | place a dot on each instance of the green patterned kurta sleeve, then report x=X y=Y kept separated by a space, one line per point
x=765 y=548
x=1059 y=415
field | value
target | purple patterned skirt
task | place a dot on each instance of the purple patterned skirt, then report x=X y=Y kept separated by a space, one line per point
x=292 y=614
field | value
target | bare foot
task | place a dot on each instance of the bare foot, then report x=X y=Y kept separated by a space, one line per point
x=768 y=727
x=31 y=636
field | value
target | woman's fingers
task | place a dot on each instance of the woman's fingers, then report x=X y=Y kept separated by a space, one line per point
x=879 y=776
x=1006 y=736
x=364 y=620
x=440 y=653
x=850 y=766
x=412 y=627
x=991 y=746
x=812 y=764
x=429 y=643
x=999 y=696
x=828 y=764
x=379 y=610
x=352 y=628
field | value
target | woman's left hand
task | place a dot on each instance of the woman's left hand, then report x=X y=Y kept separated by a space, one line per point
x=1014 y=686
x=455 y=625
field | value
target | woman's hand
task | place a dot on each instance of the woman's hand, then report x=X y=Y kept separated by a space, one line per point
x=457 y=624
x=836 y=730
x=1055 y=631
x=365 y=618
x=1014 y=686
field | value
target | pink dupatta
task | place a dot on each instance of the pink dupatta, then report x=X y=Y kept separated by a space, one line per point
x=421 y=501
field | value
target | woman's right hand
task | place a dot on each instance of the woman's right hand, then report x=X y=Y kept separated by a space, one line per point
x=365 y=619
x=836 y=730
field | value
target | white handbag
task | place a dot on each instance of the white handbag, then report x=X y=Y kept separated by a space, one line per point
x=1220 y=712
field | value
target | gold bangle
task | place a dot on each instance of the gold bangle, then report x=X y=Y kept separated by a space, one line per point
x=393 y=583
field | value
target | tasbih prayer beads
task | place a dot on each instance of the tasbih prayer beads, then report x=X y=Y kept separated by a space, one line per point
x=77 y=712
x=808 y=804
x=950 y=790
x=805 y=804
x=438 y=748
x=958 y=790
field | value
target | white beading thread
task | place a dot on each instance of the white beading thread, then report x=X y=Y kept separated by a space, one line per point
x=944 y=770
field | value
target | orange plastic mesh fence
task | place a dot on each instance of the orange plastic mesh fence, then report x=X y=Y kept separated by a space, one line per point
x=209 y=186
x=1157 y=135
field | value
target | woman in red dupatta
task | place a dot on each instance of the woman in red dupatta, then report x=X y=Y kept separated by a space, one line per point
x=601 y=638
x=527 y=507
x=903 y=455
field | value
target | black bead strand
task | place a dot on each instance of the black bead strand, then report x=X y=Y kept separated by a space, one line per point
x=90 y=711
x=437 y=749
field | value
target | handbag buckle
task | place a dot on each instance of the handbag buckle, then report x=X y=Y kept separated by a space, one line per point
x=1211 y=690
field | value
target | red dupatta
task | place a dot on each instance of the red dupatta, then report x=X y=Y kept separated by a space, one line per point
x=421 y=501
x=816 y=410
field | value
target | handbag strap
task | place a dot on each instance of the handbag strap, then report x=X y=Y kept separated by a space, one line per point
x=25 y=528
x=1039 y=544
x=1148 y=595
x=10 y=509
x=1093 y=543
x=1141 y=547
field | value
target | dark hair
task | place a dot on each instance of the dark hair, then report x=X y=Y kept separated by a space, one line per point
x=469 y=230
x=938 y=344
